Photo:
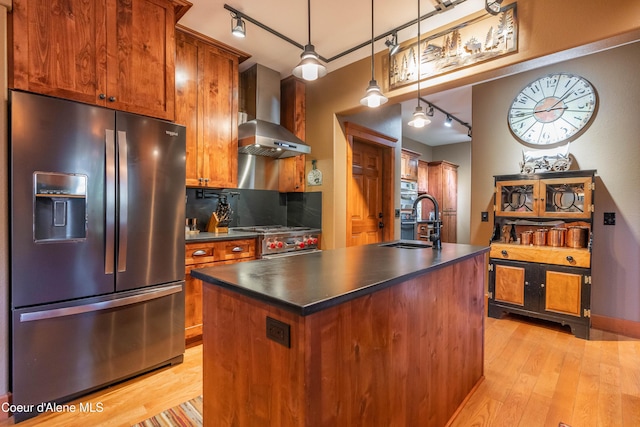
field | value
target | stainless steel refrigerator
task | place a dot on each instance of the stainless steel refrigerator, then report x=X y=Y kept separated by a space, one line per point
x=97 y=246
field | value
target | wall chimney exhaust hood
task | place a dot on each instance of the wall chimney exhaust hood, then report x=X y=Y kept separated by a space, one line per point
x=262 y=134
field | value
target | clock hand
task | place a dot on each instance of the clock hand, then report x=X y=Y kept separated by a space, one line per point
x=564 y=107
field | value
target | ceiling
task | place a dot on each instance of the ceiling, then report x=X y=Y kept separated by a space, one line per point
x=338 y=26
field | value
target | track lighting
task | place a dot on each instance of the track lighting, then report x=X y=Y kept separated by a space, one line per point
x=469 y=133
x=310 y=67
x=374 y=97
x=448 y=121
x=238 y=28
x=493 y=6
x=392 y=44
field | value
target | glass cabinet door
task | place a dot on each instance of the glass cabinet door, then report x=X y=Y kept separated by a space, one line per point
x=516 y=198
x=566 y=197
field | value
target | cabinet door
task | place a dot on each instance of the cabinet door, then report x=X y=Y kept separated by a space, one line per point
x=450 y=188
x=564 y=291
x=517 y=198
x=58 y=48
x=187 y=101
x=291 y=174
x=515 y=283
x=449 y=227
x=193 y=303
x=218 y=114
x=141 y=57
x=566 y=197
x=423 y=176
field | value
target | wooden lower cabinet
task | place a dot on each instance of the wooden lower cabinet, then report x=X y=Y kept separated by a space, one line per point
x=208 y=254
x=545 y=291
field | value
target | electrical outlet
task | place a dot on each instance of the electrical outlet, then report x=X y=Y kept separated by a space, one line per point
x=279 y=332
x=397 y=213
x=485 y=216
x=609 y=218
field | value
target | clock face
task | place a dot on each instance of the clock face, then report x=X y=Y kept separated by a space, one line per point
x=552 y=109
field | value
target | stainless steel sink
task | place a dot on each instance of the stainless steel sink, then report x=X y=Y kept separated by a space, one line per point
x=407 y=245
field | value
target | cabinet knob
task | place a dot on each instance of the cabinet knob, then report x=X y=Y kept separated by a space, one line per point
x=570 y=259
x=526 y=283
x=206 y=180
x=542 y=285
x=504 y=253
x=112 y=99
x=200 y=180
x=102 y=96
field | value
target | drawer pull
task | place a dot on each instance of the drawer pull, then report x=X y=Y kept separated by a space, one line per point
x=236 y=249
x=570 y=259
x=199 y=252
x=504 y=253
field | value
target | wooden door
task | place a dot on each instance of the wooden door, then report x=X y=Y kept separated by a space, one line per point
x=56 y=47
x=141 y=57
x=365 y=201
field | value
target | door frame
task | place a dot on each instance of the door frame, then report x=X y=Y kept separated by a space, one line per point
x=355 y=132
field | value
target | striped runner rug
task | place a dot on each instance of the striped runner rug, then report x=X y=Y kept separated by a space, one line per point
x=186 y=414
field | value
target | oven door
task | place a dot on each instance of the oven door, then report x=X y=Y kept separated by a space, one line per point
x=288 y=254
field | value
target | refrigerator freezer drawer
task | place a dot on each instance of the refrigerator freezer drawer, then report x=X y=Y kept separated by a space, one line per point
x=69 y=350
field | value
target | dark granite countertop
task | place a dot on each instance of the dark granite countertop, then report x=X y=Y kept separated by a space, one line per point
x=312 y=282
x=212 y=237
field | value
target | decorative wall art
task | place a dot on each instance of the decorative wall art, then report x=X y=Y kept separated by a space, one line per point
x=478 y=40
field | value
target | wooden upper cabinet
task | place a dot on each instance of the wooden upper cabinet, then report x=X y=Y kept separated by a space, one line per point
x=114 y=53
x=409 y=165
x=423 y=176
x=207 y=103
x=292 y=117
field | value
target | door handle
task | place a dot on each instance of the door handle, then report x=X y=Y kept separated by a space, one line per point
x=199 y=252
x=236 y=249
x=381 y=224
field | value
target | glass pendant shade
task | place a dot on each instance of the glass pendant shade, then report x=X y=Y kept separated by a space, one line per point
x=420 y=119
x=310 y=68
x=374 y=97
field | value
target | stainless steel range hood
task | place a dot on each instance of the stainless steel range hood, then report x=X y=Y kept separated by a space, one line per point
x=262 y=134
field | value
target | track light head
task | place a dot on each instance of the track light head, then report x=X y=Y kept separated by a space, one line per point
x=493 y=6
x=430 y=111
x=448 y=121
x=392 y=44
x=238 y=28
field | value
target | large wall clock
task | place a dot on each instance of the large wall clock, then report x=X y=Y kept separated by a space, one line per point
x=552 y=109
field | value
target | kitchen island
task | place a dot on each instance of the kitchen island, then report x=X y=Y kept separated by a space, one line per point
x=366 y=335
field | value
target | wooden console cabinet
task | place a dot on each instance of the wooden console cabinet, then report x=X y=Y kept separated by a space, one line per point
x=208 y=254
x=542 y=281
x=114 y=53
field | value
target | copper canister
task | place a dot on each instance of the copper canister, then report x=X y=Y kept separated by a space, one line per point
x=526 y=238
x=577 y=237
x=556 y=236
x=540 y=237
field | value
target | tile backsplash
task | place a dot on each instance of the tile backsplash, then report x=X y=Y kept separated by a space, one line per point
x=257 y=207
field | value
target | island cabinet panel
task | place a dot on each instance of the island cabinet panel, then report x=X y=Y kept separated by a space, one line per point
x=114 y=53
x=406 y=355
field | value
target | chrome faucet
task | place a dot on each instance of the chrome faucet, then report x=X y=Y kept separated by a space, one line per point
x=435 y=237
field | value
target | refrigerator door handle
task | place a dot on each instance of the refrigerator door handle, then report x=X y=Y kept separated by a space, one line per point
x=110 y=213
x=124 y=200
x=103 y=305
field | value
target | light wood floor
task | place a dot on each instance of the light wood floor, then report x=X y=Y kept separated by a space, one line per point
x=536 y=374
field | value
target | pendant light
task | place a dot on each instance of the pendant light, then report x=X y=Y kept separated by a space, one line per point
x=420 y=119
x=310 y=67
x=374 y=97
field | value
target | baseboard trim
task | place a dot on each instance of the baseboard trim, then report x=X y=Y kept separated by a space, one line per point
x=628 y=328
x=4 y=398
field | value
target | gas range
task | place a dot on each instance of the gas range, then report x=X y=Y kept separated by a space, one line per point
x=279 y=239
